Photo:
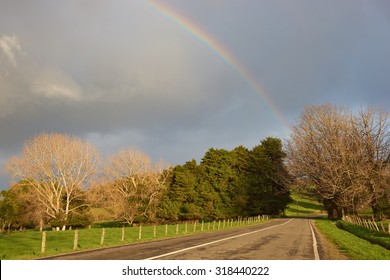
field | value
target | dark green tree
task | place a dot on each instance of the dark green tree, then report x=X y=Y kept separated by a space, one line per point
x=241 y=166
x=181 y=199
x=8 y=210
x=229 y=183
x=269 y=180
x=218 y=181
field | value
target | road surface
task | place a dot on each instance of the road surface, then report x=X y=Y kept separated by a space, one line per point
x=281 y=239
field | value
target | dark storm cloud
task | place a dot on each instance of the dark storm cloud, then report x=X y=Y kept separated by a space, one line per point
x=120 y=74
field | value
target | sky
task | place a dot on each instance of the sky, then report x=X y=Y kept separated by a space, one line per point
x=174 y=78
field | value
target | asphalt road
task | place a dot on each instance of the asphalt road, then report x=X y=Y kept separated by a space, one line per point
x=281 y=239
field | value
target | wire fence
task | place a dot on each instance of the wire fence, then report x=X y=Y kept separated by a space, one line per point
x=98 y=237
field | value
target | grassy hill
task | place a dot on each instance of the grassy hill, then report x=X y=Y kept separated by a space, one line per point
x=303 y=204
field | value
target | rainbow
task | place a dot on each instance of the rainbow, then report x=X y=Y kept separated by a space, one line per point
x=220 y=50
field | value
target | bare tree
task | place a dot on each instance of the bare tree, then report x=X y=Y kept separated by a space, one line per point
x=135 y=184
x=374 y=128
x=342 y=155
x=57 y=167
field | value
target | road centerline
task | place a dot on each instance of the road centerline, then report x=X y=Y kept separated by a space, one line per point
x=216 y=241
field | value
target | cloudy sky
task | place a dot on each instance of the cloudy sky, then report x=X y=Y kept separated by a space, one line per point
x=176 y=77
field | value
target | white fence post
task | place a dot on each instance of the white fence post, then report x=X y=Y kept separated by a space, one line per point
x=43 y=245
x=76 y=239
x=102 y=237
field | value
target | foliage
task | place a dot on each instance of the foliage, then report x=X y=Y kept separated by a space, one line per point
x=228 y=184
x=8 y=210
x=268 y=189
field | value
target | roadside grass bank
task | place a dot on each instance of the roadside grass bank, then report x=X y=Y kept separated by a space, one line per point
x=375 y=237
x=19 y=245
x=354 y=247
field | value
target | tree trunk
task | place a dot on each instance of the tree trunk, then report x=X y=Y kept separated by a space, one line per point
x=334 y=212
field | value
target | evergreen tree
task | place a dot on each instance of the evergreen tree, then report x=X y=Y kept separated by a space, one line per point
x=268 y=191
x=229 y=183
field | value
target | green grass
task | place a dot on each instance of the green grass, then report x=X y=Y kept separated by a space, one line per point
x=27 y=244
x=354 y=247
x=303 y=205
x=376 y=237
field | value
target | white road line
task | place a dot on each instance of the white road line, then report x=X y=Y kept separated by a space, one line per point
x=316 y=255
x=213 y=242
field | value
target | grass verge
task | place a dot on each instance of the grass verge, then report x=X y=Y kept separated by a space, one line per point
x=375 y=237
x=354 y=247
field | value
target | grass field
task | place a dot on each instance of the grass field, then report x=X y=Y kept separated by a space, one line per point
x=27 y=244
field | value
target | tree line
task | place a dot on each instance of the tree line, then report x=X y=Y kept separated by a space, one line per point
x=228 y=184
x=61 y=181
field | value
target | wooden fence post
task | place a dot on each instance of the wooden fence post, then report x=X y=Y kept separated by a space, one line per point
x=219 y=224
x=102 y=237
x=213 y=225
x=166 y=229
x=43 y=245
x=201 y=229
x=140 y=232
x=154 y=232
x=177 y=229
x=123 y=233
x=195 y=226
x=376 y=226
x=383 y=227
x=186 y=228
x=76 y=239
